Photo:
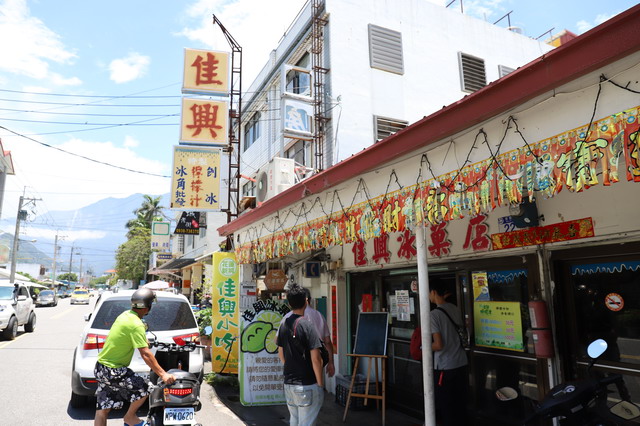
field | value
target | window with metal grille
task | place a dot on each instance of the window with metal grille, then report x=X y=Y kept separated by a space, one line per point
x=384 y=127
x=472 y=73
x=503 y=70
x=385 y=49
x=181 y=243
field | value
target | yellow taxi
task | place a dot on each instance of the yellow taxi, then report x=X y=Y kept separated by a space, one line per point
x=80 y=296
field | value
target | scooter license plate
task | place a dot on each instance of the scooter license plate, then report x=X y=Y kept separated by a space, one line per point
x=179 y=416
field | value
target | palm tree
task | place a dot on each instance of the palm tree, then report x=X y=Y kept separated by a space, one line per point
x=150 y=209
x=146 y=214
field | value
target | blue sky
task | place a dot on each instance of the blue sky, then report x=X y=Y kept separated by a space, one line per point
x=120 y=62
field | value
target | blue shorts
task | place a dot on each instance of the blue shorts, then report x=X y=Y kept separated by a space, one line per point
x=118 y=385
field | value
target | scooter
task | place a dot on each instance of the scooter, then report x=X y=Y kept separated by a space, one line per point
x=177 y=403
x=582 y=402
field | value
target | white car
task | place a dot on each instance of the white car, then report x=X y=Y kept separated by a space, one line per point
x=170 y=320
x=16 y=309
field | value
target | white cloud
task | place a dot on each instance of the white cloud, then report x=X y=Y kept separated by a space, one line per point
x=584 y=26
x=66 y=182
x=257 y=25
x=129 y=68
x=130 y=142
x=28 y=45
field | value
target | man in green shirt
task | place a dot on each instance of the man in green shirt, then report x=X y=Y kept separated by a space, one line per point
x=117 y=383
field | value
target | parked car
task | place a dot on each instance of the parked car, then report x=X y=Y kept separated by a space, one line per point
x=47 y=298
x=80 y=297
x=171 y=320
x=16 y=309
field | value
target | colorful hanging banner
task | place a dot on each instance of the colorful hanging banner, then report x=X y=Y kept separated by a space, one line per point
x=498 y=325
x=564 y=231
x=225 y=316
x=261 y=372
x=206 y=72
x=195 y=181
x=565 y=160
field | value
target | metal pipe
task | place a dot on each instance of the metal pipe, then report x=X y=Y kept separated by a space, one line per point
x=425 y=322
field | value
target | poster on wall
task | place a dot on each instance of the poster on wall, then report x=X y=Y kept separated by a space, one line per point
x=225 y=313
x=261 y=373
x=480 y=286
x=498 y=325
x=402 y=302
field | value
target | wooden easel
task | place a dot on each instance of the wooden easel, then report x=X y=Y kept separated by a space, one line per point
x=378 y=396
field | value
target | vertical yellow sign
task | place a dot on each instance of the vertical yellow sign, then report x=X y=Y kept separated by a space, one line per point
x=204 y=122
x=195 y=179
x=206 y=72
x=225 y=313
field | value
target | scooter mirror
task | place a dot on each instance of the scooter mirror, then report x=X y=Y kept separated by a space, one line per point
x=208 y=330
x=626 y=410
x=596 y=348
x=506 y=394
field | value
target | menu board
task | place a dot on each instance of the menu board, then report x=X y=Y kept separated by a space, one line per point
x=498 y=325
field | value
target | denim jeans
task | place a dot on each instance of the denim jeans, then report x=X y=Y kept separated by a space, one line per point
x=304 y=403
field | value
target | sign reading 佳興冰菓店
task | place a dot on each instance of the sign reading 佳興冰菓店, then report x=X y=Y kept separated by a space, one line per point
x=195 y=181
x=498 y=325
x=225 y=313
x=261 y=372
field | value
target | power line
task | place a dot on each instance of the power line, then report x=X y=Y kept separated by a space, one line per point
x=91 y=96
x=97 y=124
x=84 y=157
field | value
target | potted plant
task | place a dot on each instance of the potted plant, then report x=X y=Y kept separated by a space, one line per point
x=203 y=317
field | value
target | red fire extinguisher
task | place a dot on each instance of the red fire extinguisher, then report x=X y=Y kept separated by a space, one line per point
x=542 y=338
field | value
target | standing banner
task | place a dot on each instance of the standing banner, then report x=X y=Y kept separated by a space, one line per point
x=195 y=181
x=225 y=313
x=261 y=372
x=161 y=236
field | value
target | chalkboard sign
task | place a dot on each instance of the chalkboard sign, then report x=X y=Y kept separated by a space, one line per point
x=371 y=334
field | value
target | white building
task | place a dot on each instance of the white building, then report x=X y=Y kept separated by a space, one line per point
x=378 y=67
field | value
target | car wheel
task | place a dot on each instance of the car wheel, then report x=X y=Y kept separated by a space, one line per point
x=77 y=401
x=30 y=326
x=11 y=331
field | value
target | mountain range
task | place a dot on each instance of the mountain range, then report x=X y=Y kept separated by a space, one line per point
x=90 y=235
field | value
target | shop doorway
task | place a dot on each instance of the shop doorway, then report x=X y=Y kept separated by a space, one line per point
x=601 y=300
x=378 y=291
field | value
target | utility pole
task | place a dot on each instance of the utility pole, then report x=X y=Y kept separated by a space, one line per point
x=55 y=256
x=71 y=261
x=22 y=215
x=80 y=272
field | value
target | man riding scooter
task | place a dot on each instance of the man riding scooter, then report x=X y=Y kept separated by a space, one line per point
x=116 y=381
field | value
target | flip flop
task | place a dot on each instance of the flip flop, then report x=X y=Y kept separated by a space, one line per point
x=142 y=423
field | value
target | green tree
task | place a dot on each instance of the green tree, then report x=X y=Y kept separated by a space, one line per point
x=68 y=276
x=146 y=213
x=133 y=255
x=99 y=280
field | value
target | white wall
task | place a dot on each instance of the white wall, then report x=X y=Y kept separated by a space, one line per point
x=432 y=36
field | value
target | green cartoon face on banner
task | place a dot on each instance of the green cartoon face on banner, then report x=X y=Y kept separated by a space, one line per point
x=261 y=335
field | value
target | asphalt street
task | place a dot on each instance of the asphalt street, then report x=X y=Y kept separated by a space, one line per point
x=36 y=375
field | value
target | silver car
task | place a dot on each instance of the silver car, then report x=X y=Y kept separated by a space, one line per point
x=47 y=298
x=170 y=319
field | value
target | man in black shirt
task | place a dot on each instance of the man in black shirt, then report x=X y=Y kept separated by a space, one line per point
x=298 y=349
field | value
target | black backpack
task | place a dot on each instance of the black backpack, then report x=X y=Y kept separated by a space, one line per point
x=324 y=353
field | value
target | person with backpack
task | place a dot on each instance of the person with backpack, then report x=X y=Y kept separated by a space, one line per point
x=451 y=378
x=299 y=351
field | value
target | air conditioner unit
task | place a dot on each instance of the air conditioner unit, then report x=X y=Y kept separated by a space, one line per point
x=277 y=176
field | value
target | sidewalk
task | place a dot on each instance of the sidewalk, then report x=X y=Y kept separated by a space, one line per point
x=330 y=414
